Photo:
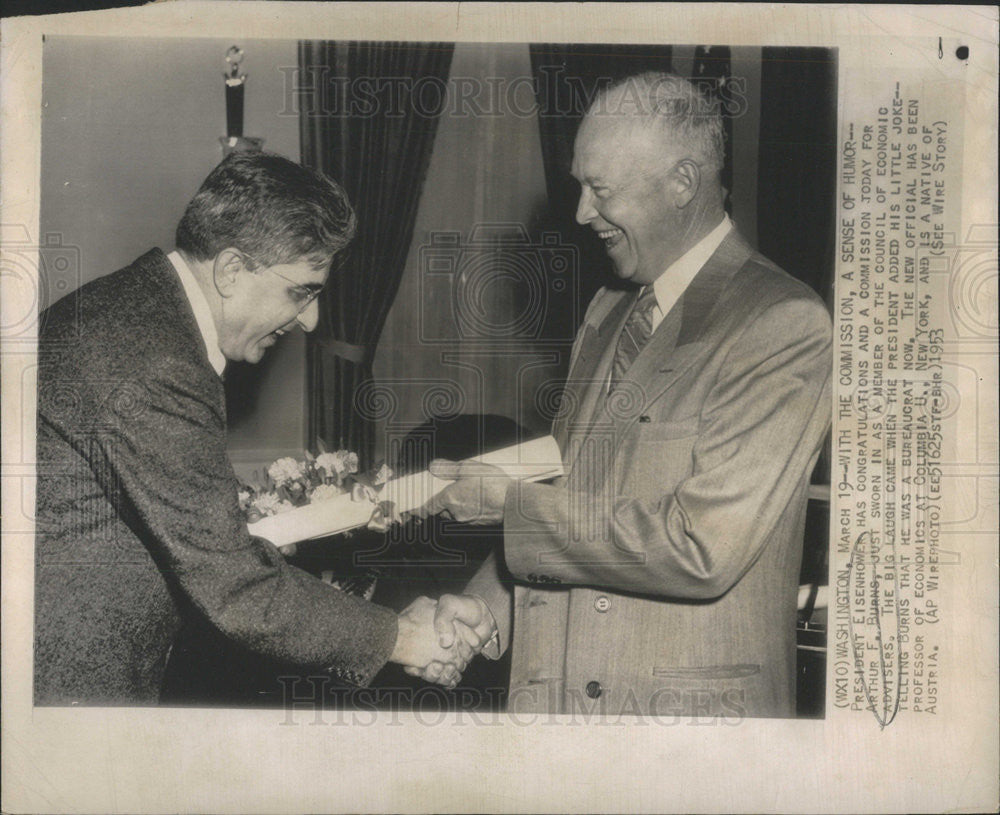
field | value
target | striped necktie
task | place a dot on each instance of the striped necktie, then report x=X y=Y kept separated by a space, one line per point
x=637 y=331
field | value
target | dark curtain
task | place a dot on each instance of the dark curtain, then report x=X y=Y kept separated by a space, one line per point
x=712 y=70
x=796 y=194
x=566 y=79
x=368 y=114
x=797 y=165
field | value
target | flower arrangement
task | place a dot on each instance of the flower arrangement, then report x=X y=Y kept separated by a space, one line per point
x=289 y=483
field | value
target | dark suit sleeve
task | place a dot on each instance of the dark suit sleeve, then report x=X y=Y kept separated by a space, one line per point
x=759 y=429
x=169 y=474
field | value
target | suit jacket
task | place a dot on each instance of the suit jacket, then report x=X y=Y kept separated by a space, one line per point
x=137 y=511
x=659 y=575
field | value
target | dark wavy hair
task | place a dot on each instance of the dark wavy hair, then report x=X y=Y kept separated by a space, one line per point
x=273 y=209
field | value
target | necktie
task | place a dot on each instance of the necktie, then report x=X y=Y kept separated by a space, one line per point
x=637 y=331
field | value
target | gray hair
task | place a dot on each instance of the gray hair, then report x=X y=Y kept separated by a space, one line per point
x=677 y=105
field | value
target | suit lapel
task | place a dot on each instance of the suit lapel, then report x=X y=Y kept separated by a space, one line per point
x=676 y=345
x=176 y=315
x=584 y=394
x=668 y=355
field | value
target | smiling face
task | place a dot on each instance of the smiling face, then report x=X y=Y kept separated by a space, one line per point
x=626 y=195
x=262 y=303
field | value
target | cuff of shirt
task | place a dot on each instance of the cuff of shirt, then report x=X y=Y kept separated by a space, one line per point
x=491 y=650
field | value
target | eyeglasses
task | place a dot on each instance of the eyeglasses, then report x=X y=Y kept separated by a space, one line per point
x=304 y=294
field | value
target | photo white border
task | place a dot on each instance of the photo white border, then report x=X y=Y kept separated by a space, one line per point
x=170 y=760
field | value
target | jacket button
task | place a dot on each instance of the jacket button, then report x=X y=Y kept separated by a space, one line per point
x=594 y=689
x=602 y=603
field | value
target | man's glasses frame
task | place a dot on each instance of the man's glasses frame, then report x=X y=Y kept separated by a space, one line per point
x=305 y=294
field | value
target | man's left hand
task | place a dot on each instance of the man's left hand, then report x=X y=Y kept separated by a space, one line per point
x=476 y=497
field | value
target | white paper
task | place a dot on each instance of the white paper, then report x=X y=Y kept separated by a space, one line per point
x=306 y=758
x=534 y=460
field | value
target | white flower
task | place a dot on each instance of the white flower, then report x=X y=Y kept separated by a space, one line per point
x=350 y=460
x=337 y=465
x=285 y=470
x=332 y=464
x=325 y=491
x=267 y=503
x=243 y=497
x=283 y=506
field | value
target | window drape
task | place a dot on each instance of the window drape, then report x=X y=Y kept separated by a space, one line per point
x=368 y=113
x=797 y=192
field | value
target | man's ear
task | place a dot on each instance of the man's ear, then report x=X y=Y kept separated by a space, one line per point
x=684 y=181
x=226 y=270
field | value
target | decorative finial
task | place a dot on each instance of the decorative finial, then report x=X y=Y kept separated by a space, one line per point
x=234 y=140
x=234 y=56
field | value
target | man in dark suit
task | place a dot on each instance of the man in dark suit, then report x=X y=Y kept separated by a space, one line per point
x=659 y=575
x=138 y=522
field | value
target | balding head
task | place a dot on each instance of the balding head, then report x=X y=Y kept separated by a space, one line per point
x=681 y=117
x=648 y=157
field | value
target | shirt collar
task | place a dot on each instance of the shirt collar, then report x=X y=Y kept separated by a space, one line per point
x=202 y=312
x=670 y=285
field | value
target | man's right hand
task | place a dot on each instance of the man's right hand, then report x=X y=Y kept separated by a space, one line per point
x=463 y=622
x=418 y=644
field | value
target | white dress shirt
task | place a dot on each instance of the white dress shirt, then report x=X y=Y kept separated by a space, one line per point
x=670 y=285
x=673 y=282
x=202 y=312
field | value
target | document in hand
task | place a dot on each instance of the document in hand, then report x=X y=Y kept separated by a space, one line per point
x=535 y=460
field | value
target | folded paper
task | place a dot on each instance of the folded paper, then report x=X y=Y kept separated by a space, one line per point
x=535 y=460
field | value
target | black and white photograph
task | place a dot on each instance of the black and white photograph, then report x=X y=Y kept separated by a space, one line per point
x=460 y=235
x=419 y=389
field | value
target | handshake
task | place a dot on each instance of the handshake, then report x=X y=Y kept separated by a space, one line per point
x=437 y=639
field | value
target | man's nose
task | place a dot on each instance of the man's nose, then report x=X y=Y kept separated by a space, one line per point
x=585 y=211
x=309 y=317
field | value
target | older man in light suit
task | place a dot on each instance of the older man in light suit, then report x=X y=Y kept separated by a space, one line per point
x=659 y=576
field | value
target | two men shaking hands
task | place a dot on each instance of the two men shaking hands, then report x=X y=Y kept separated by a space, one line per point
x=461 y=625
